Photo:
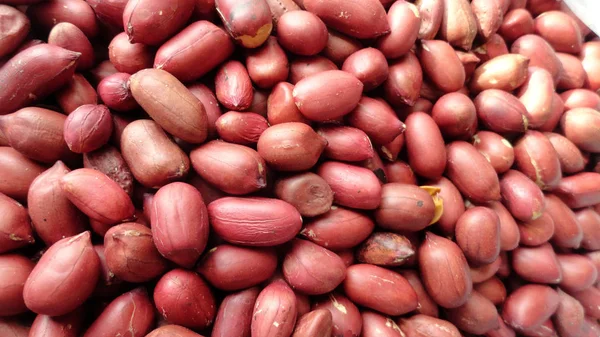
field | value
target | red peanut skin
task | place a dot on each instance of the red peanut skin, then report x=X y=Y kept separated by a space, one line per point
x=496 y=149
x=13 y=328
x=201 y=39
x=281 y=107
x=66 y=275
x=404 y=21
x=233 y=268
x=235 y=314
x=369 y=16
x=578 y=126
x=477 y=316
x=109 y=161
x=501 y=112
x=536 y=158
x=589 y=61
x=579 y=272
x=478 y=234
x=338 y=229
x=14 y=271
x=275 y=311
x=317 y=323
x=442 y=262
x=302 y=67
x=537 y=264
x=423 y=325
x=302 y=33
x=589 y=221
x=529 y=306
x=455 y=115
x=18 y=172
x=131 y=313
x=517 y=22
x=346 y=318
x=179 y=223
x=88 y=128
x=540 y=54
x=211 y=105
x=48 y=13
x=405 y=78
x=280 y=7
x=340 y=47
x=471 y=173
x=521 y=196
x=229 y=216
x=375 y=324
x=377 y=119
x=102 y=70
x=570 y=157
x=241 y=128
x=70 y=37
x=233 y=86
x=77 y=92
x=537 y=94
x=96 y=195
x=268 y=65
x=369 y=65
x=404 y=208
x=69 y=325
x=249 y=22
x=536 y=232
x=15 y=226
x=580 y=190
x=53 y=216
x=114 y=92
x=128 y=57
x=567 y=230
x=50 y=66
x=353 y=186
x=569 y=318
x=172 y=330
x=312 y=269
x=17 y=28
x=424 y=145
x=426 y=305
x=152 y=23
x=453 y=204
x=346 y=143
x=109 y=12
x=505 y=72
x=390 y=293
x=307 y=192
x=589 y=300
x=493 y=289
x=441 y=64
x=183 y=298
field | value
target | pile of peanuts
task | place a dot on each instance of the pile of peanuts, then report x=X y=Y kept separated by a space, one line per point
x=315 y=168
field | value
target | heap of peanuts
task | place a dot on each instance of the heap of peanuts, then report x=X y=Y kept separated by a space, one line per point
x=316 y=168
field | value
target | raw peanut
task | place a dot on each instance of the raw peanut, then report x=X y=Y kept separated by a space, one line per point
x=201 y=39
x=567 y=230
x=304 y=66
x=235 y=314
x=590 y=52
x=172 y=330
x=131 y=254
x=579 y=272
x=540 y=54
x=102 y=70
x=477 y=316
x=49 y=66
x=469 y=62
x=211 y=106
x=521 y=196
x=536 y=232
x=346 y=143
x=560 y=30
x=580 y=98
x=570 y=157
x=47 y=14
x=589 y=220
x=115 y=94
x=338 y=229
x=573 y=75
x=426 y=305
x=404 y=81
x=569 y=318
x=405 y=208
x=96 y=195
x=364 y=19
x=53 y=216
x=232 y=268
x=317 y=323
x=390 y=293
x=478 y=235
x=494 y=47
x=377 y=325
x=353 y=186
x=516 y=23
x=152 y=157
x=493 y=289
x=427 y=326
x=529 y=307
x=471 y=173
x=109 y=12
x=281 y=107
x=280 y=7
x=377 y=119
x=179 y=223
x=69 y=325
x=248 y=22
x=129 y=57
x=340 y=46
x=14 y=271
x=152 y=23
x=536 y=95
x=131 y=313
x=536 y=158
x=274 y=221
x=423 y=134
x=391 y=150
x=309 y=193
x=88 y=128
x=70 y=37
x=233 y=86
x=488 y=15
x=385 y=249
x=589 y=300
x=107 y=284
x=537 y=264
x=482 y=273
x=404 y=21
x=430 y=12
x=275 y=311
x=268 y=65
x=77 y=92
x=327 y=95
x=504 y=72
x=441 y=63
x=17 y=28
x=537 y=7
x=369 y=65
x=455 y=115
x=242 y=128
x=459 y=24
x=579 y=125
x=444 y=271
x=302 y=33
x=346 y=318
x=18 y=172
x=312 y=269
x=453 y=204
x=580 y=190
x=66 y=276
x=290 y=146
x=183 y=298
x=185 y=116
x=557 y=109
x=496 y=149
x=45 y=142
x=400 y=172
